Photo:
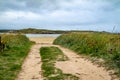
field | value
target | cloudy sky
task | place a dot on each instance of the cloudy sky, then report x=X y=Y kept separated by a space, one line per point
x=100 y=15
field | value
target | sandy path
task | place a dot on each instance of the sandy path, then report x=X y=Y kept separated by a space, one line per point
x=31 y=68
x=76 y=65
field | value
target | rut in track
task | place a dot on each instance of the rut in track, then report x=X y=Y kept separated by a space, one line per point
x=31 y=68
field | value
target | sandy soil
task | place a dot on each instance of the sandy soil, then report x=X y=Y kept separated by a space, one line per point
x=76 y=65
x=31 y=68
x=43 y=40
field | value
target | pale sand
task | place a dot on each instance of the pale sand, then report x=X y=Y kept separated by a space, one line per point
x=76 y=65
x=31 y=68
x=48 y=40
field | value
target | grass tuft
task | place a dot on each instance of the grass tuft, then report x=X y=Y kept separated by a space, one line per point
x=49 y=56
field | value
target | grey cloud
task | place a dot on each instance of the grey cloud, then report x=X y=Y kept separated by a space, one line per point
x=11 y=5
x=51 y=5
x=28 y=5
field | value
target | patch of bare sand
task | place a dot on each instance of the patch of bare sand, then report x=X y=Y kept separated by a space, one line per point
x=43 y=40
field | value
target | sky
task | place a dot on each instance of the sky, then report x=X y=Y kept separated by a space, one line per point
x=95 y=15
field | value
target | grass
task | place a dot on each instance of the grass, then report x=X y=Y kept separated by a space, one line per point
x=17 y=47
x=49 y=56
x=104 y=46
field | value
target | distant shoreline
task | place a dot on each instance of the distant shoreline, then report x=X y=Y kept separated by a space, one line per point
x=42 y=35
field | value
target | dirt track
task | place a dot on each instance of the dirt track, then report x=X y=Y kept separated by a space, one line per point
x=76 y=65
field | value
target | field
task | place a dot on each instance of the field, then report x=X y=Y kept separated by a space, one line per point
x=104 y=47
x=15 y=51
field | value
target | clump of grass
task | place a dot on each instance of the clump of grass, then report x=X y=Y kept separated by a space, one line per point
x=17 y=47
x=49 y=56
x=100 y=45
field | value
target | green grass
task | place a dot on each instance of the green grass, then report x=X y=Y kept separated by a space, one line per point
x=17 y=47
x=49 y=56
x=95 y=45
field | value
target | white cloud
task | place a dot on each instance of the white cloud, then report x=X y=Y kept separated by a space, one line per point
x=20 y=14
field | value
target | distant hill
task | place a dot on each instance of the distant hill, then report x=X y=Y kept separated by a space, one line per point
x=34 y=31
x=5 y=30
x=40 y=31
x=44 y=31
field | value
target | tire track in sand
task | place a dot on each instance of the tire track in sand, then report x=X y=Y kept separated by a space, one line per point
x=31 y=68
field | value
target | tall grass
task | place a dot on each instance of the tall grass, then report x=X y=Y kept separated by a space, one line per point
x=100 y=45
x=17 y=47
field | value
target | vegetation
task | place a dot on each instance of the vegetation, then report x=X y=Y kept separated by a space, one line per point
x=49 y=56
x=40 y=31
x=5 y=30
x=16 y=49
x=104 y=46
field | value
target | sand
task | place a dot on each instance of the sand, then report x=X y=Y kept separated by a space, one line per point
x=46 y=40
x=76 y=65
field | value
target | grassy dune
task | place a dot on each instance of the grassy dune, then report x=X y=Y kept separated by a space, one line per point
x=49 y=56
x=96 y=45
x=17 y=47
